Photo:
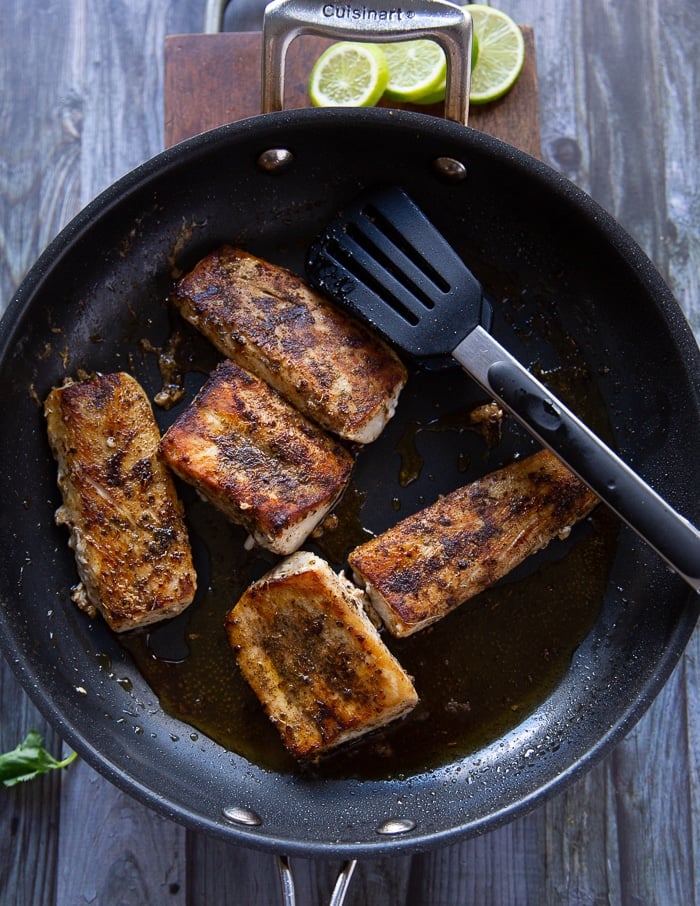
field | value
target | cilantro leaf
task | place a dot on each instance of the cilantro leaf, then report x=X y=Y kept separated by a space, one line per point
x=28 y=760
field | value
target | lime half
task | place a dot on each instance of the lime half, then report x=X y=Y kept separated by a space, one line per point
x=416 y=69
x=501 y=53
x=348 y=74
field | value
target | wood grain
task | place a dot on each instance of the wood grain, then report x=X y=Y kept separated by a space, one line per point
x=142 y=857
x=82 y=102
x=211 y=80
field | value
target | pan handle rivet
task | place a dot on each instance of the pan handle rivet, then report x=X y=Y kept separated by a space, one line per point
x=453 y=170
x=238 y=814
x=275 y=159
x=396 y=826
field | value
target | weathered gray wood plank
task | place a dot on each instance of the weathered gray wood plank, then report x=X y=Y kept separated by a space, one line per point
x=678 y=84
x=582 y=858
x=219 y=872
x=28 y=812
x=38 y=192
x=38 y=174
x=111 y=850
x=505 y=866
x=691 y=665
x=651 y=804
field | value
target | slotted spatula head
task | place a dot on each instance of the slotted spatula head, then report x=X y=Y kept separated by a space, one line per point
x=386 y=262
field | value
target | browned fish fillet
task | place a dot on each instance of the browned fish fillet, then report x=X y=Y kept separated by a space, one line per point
x=433 y=561
x=312 y=656
x=257 y=459
x=269 y=321
x=119 y=502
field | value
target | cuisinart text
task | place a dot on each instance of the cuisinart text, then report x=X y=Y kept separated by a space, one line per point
x=347 y=11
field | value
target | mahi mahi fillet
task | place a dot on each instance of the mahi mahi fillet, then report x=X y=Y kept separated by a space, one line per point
x=431 y=562
x=317 y=664
x=257 y=459
x=325 y=363
x=119 y=502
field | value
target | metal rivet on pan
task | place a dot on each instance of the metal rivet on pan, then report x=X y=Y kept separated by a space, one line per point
x=238 y=814
x=451 y=169
x=275 y=159
x=396 y=826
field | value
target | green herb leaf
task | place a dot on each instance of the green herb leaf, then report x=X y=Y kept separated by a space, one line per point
x=28 y=760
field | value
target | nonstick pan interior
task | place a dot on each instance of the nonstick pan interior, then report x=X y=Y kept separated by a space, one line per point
x=96 y=300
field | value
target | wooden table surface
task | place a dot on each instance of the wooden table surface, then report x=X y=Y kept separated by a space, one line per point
x=81 y=95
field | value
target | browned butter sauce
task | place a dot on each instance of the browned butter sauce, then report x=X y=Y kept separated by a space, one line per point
x=478 y=672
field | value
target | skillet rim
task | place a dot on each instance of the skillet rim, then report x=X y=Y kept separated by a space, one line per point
x=178 y=156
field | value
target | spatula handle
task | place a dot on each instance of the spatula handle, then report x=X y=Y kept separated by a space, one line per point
x=556 y=427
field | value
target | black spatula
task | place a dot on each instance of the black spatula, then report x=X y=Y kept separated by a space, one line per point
x=386 y=262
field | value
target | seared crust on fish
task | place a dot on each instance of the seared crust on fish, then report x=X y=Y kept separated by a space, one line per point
x=433 y=561
x=257 y=459
x=327 y=364
x=119 y=502
x=313 y=658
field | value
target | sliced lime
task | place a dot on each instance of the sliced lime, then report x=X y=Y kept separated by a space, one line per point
x=416 y=69
x=348 y=74
x=438 y=93
x=501 y=53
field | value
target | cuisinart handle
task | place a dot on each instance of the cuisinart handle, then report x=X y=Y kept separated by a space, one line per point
x=443 y=22
x=557 y=428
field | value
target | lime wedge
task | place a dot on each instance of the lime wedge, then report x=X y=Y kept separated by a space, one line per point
x=501 y=53
x=416 y=69
x=348 y=74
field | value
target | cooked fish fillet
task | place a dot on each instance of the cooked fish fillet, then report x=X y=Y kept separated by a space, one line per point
x=433 y=561
x=257 y=459
x=119 y=502
x=328 y=365
x=310 y=653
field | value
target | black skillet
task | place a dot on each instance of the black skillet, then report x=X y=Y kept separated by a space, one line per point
x=562 y=276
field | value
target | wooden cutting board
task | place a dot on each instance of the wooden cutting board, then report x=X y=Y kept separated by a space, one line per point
x=214 y=79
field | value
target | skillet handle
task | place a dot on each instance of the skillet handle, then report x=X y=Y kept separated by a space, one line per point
x=341 y=885
x=555 y=426
x=441 y=21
